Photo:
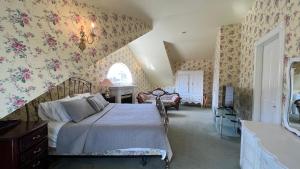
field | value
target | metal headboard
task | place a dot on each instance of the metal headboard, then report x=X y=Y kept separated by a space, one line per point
x=69 y=87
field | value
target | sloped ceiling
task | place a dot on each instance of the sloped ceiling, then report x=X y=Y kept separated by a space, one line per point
x=188 y=26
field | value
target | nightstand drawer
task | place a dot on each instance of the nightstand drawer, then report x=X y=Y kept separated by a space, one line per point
x=33 y=138
x=40 y=163
x=35 y=152
x=25 y=146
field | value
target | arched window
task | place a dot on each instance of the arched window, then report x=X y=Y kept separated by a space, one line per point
x=119 y=74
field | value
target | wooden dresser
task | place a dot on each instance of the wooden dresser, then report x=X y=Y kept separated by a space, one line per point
x=25 y=146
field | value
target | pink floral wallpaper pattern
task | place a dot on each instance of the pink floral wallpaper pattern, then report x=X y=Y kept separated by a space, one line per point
x=227 y=59
x=39 y=44
x=99 y=71
x=263 y=17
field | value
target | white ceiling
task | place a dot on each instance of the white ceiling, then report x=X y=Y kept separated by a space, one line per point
x=200 y=19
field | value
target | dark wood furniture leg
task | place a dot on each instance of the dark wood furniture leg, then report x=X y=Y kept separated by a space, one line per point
x=167 y=163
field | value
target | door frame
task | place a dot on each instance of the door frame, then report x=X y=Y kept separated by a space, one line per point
x=277 y=32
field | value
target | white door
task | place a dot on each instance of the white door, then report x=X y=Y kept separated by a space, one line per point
x=270 y=78
x=196 y=86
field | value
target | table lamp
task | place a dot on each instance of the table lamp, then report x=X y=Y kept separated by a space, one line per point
x=105 y=84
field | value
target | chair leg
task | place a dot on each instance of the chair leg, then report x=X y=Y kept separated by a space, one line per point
x=221 y=126
x=177 y=107
x=144 y=161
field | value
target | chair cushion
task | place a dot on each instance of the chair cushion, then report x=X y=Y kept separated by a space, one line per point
x=158 y=92
x=174 y=98
x=150 y=101
x=166 y=97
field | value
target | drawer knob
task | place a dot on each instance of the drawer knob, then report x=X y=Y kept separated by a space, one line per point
x=36 y=164
x=36 y=137
x=37 y=151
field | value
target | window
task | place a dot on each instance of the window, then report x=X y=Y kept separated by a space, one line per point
x=119 y=74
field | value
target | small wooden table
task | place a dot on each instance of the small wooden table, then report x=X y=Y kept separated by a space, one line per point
x=111 y=99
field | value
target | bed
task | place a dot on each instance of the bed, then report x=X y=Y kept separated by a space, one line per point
x=119 y=130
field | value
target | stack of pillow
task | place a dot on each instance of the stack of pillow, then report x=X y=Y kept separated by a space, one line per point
x=73 y=109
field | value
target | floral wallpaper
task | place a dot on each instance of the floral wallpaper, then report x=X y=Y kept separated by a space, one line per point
x=200 y=64
x=97 y=73
x=216 y=72
x=263 y=17
x=124 y=55
x=39 y=48
x=227 y=59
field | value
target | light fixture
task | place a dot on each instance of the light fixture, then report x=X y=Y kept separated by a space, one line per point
x=86 y=39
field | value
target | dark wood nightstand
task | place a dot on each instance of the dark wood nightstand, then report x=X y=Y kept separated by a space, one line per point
x=24 y=146
x=111 y=99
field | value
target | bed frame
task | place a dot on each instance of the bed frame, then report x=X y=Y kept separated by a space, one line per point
x=74 y=86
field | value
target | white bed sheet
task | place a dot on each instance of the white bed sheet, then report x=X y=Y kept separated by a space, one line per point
x=53 y=129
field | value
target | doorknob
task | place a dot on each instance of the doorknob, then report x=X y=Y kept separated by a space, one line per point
x=274 y=106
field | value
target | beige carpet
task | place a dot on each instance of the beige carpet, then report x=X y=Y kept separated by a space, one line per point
x=194 y=141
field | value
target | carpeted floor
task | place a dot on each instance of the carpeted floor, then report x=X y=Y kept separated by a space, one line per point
x=194 y=141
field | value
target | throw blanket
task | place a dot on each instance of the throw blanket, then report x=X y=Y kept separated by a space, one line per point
x=118 y=126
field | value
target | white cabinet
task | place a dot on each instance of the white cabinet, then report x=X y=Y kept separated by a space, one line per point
x=268 y=146
x=189 y=84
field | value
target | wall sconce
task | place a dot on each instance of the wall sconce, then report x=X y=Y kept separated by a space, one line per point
x=85 y=39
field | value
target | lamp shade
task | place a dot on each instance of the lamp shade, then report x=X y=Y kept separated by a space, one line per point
x=106 y=83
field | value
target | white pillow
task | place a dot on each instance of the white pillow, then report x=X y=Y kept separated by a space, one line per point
x=54 y=111
x=82 y=95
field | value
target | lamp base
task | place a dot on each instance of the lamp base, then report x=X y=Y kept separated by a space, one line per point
x=107 y=93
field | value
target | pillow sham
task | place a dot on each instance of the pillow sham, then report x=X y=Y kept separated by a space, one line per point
x=82 y=95
x=54 y=111
x=96 y=103
x=78 y=109
x=102 y=100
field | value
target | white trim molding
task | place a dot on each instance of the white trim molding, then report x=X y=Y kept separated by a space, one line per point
x=277 y=32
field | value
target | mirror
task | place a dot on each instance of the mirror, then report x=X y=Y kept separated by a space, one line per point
x=292 y=115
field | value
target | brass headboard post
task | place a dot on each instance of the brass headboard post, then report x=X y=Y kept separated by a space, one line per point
x=69 y=87
x=27 y=113
x=50 y=94
x=64 y=83
x=57 y=89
